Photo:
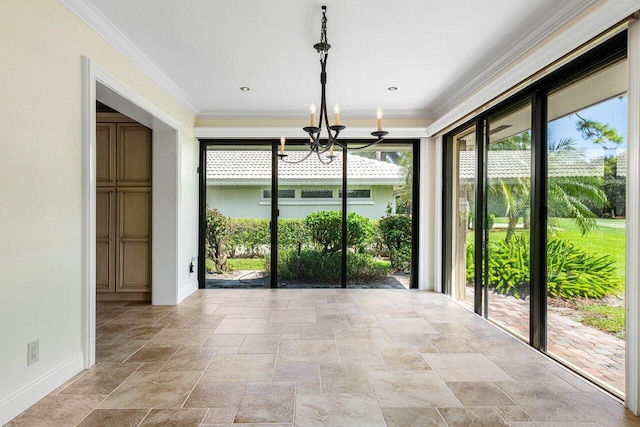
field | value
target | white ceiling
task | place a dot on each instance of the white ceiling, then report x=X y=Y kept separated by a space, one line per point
x=435 y=52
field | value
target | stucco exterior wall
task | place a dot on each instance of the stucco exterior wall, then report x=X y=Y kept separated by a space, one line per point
x=247 y=202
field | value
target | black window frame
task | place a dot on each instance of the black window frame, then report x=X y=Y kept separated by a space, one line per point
x=608 y=52
x=274 y=144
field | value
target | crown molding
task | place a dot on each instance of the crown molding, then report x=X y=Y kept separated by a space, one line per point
x=605 y=17
x=554 y=19
x=304 y=114
x=297 y=133
x=95 y=20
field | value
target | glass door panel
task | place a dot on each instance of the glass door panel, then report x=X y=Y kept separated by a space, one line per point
x=238 y=212
x=379 y=220
x=462 y=271
x=507 y=198
x=310 y=219
x=586 y=225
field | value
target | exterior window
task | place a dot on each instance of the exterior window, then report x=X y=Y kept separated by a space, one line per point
x=282 y=194
x=356 y=194
x=316 y=194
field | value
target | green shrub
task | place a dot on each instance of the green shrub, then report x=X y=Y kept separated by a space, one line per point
x=396 y=231
x=247 y=237
x=293 y=232
x=209 y=265
x=312 y=266
x=509 y=265
x=375 y=244
x=572 y=272
x=325 y=228
x=215 y=235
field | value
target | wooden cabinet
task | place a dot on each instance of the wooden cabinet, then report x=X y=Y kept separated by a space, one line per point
x=123 y=209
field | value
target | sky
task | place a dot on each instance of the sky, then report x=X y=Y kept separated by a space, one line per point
x=612 y=112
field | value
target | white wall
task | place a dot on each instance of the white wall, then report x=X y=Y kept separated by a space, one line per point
x=41 y=159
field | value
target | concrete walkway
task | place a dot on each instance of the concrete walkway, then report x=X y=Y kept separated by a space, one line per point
x=589 y=350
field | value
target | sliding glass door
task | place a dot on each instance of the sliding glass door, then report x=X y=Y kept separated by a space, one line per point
x=237 y=234
x=380 y=210
x=309 y=218
x=507 y=195
x=300 y=220
x=586 y=178
x=535 y=214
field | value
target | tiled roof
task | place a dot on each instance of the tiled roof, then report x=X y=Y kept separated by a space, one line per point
x=254 y=168
x=517 y=163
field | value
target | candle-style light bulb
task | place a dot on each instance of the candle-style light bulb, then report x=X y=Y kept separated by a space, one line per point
x=379 y=118
x=313 y=114
x=336 y=116
x=282 y=141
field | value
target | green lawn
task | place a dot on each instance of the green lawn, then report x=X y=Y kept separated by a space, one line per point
x=605 y=318
x=245 y=263
x=607 y=238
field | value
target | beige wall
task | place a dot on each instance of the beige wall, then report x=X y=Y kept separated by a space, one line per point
x=41 y=44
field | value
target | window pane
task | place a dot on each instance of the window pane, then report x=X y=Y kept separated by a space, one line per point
x=310 y=231
x=508 y=201
x=238 y=235
x=586 y=225
x=379 y=211
x=316 y=194
x=357 y=194
x=463 y=209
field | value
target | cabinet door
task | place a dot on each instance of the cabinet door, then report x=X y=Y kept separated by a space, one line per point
x=105 y=154
x=134 y=239
x=105 y=240
x=134 y=155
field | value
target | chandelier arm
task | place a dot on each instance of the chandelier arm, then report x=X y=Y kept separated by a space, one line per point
x=297 y=161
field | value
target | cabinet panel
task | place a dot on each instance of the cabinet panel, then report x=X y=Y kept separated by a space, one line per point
x=134 y=213
x=134 y=155
x=134 y=267
x=105 y=239
x=105 y=213
x=105 y=267
x=105 y=154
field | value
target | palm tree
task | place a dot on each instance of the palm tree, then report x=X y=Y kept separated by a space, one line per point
x=566 y=196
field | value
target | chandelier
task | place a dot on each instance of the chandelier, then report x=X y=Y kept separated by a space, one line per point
x=316 y=144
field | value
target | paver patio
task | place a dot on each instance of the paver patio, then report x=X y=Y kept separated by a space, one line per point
x=591 y=351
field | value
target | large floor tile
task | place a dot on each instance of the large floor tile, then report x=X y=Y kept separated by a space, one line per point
x=408 y=417
x=152 y=390
x=241 y=367
x=308 y=351
x=58 y=410
x=216 y=394
x=114 y=418
x=338 y=409
x=267 y=403
x=174 y=418
x=344 y=378
x=102 y=378
x=242 y=326
x=465 y=367
x=411 y=389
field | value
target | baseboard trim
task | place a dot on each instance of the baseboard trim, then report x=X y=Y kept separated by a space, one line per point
x=187 y=290
x=17 y=402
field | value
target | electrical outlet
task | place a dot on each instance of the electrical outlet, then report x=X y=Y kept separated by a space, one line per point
x=33 y=352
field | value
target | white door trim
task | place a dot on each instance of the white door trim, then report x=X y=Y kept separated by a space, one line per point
x=97 y=84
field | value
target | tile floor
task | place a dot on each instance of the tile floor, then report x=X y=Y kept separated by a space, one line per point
x=316 y=357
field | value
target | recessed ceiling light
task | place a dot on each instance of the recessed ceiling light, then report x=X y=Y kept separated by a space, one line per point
x=392 y=88
x=245 y=88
